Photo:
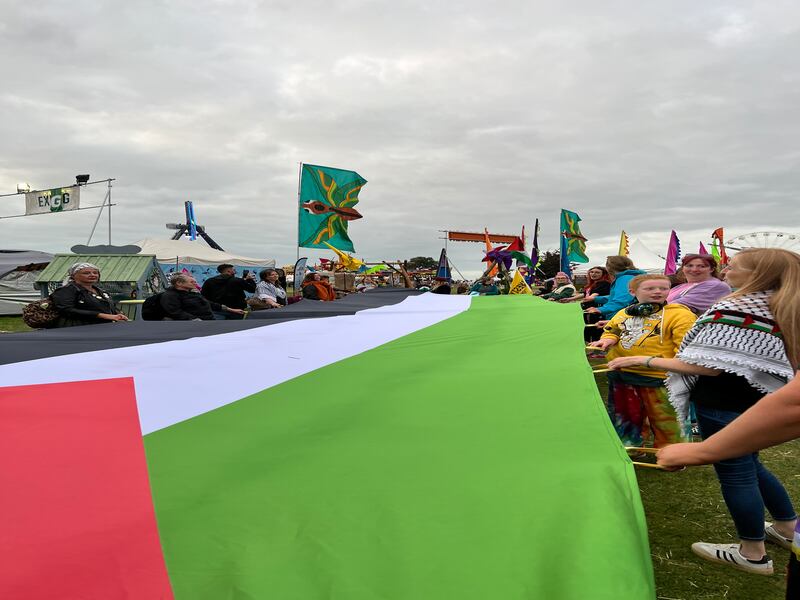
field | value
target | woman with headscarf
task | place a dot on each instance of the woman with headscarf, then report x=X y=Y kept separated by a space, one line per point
x=82 y=302
x=562 y=288
x=702 y=288
x=316 y=289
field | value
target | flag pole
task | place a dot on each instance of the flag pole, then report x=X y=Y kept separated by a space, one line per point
x=299 y=183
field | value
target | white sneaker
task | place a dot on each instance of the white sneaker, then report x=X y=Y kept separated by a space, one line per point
x=729 y=554
x=775 y=537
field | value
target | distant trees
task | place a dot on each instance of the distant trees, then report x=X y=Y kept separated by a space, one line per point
x=550 y=263
x=421 y=262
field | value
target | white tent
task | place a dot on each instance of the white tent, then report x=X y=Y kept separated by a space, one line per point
x=645 y=259
x=186 y=252
x=18 y=271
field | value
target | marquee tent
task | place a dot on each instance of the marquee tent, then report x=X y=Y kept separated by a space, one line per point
x=197 y=253
x=18 y=272
x=197 y=258
x=644 y=258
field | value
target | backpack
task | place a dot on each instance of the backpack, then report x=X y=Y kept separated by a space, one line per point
x=151 y=309
x=40 y=314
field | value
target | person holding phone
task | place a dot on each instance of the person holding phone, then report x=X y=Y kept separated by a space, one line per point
x=229 y=290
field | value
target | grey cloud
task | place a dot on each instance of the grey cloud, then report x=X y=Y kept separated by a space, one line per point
x=642 y=116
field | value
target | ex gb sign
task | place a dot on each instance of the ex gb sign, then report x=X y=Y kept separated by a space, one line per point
x=55 y=200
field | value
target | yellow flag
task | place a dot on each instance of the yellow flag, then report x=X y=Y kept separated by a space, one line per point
x=624 y=244
x=347 y=261
x=518 y=285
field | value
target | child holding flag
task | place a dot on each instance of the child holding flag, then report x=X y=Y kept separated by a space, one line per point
x=650 y=327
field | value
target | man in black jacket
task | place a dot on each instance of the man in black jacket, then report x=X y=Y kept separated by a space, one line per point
x=229 y=290
x=181 y=302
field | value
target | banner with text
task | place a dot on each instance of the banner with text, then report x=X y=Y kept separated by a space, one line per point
x=50 y=201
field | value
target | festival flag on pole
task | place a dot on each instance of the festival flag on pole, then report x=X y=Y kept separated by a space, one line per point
x=535 y=249
x=575 y=242
x=348 y=262
x=518 y=285
x=523 y=258
x=443 y=271
x=516 y=246
x=564 y=255
x=673 y=254
x=624 y=244
x=327 y=197
x=719 y=236
x=702 y=249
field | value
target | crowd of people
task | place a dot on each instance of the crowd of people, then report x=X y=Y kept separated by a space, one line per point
x=706 y=350
x=701 y=348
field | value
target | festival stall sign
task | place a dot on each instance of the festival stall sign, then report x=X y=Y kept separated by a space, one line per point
x=327 y=198
x=147 y=471
x=54 y=200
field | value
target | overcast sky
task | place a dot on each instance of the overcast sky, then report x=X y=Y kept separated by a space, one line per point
x=640 y=115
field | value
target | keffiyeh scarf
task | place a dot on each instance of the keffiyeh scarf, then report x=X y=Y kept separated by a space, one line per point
x=738 y=335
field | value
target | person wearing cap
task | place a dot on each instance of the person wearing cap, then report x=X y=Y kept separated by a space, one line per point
x=562 y=289
x=82 y=302
x=703 y=287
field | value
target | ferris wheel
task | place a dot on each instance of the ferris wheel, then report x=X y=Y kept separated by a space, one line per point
x=765 y=239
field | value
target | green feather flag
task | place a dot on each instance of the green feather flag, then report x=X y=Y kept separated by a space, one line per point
x=327 y=198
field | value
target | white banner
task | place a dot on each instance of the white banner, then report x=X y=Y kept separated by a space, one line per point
x=55 y=200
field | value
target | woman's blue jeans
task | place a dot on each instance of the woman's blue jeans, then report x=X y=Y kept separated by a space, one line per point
x=747 y=485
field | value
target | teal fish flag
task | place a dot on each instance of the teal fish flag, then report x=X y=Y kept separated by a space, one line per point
x=564 y=257
x=575 y=242
x=327 y=197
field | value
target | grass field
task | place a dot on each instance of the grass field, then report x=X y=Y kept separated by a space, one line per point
x=683 y=508
x=12 y=325
x=687 y=507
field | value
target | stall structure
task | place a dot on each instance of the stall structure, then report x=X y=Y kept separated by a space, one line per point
x=18 y=272
x=124 y=276
x=199 y=260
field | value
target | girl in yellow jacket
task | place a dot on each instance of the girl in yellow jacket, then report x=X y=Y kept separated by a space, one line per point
x=648 y=328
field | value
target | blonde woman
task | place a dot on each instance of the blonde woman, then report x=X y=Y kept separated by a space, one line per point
x=743 y=347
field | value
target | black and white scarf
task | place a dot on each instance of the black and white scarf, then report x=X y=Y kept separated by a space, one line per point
x=738 y=335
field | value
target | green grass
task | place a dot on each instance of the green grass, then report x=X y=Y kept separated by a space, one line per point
x=686 y=507
x=12 y=325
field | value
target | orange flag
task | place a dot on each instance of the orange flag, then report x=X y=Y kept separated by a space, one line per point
x=489 y=249
x=719 y=235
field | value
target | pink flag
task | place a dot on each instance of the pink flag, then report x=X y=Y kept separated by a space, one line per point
x=702 y=249
x=673 y=254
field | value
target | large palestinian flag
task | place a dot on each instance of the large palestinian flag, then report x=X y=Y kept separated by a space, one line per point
x=430 y=447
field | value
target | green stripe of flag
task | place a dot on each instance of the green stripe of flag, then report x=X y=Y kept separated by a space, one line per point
x=423 y=469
